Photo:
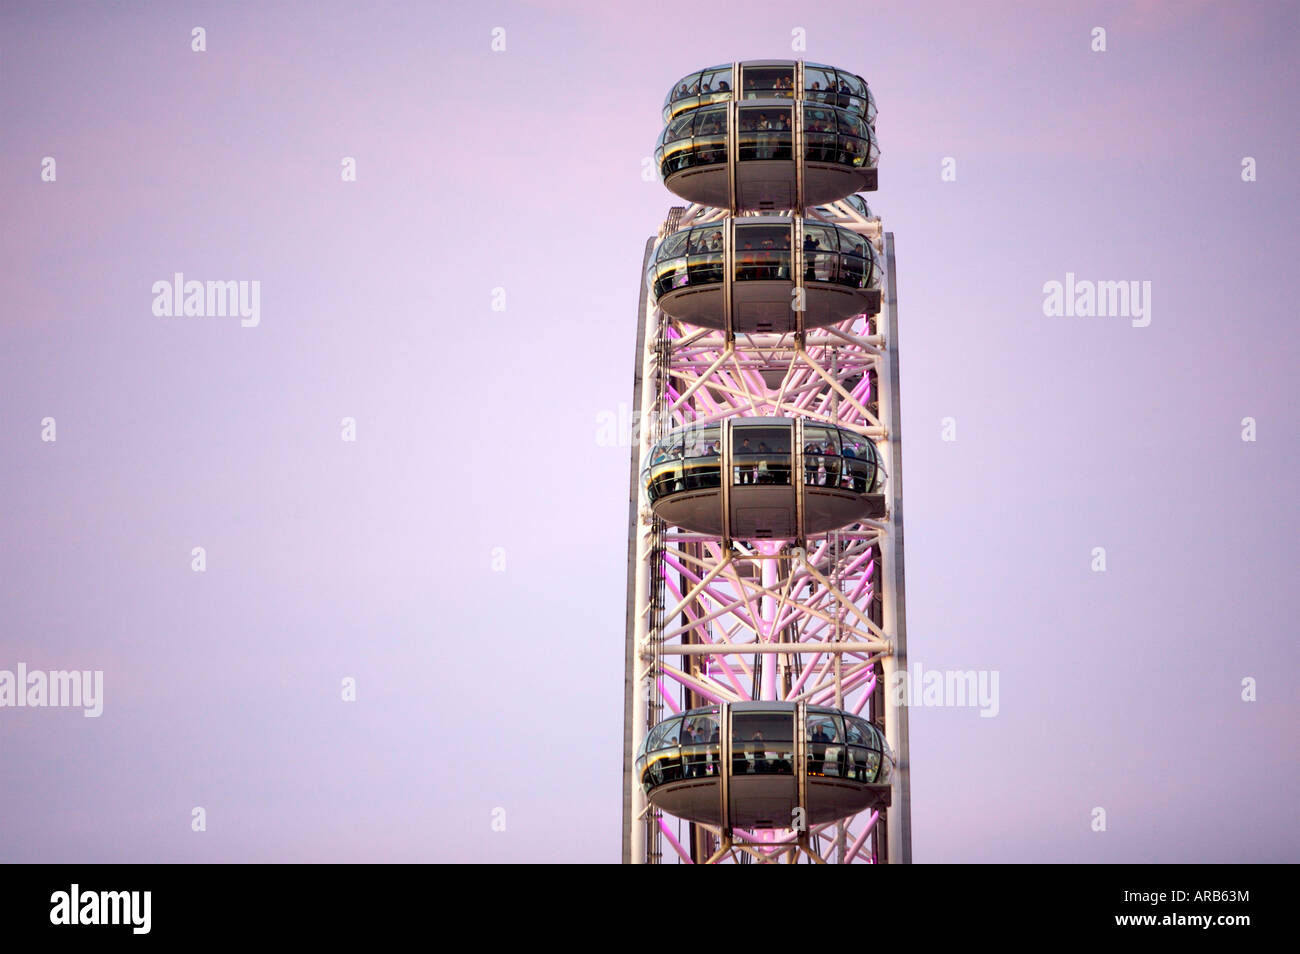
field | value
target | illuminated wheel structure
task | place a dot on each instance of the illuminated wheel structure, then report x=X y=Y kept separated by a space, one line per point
x=765 y=621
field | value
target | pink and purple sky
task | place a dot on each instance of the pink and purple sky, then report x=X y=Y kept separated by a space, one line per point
x=477 y=429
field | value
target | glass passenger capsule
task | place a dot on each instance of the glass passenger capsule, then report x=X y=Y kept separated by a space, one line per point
x=753 y=144
x=771 y=79
x=764 y=478
x=751 y=764
x=752 y=274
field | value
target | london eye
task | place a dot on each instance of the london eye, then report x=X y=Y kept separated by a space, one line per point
x=765 y=587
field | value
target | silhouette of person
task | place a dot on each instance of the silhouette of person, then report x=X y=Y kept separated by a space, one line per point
x=832 y=464
x=817 y=754
x=810 y=462
x=852 y=469
x=745 y=465
x=810 y=247
x=739 y=765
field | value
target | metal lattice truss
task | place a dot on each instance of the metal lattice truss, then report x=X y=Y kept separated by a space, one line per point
x=770 y=847
x=725 y=621
x=809 y=612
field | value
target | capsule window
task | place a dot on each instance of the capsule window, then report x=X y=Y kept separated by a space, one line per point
x=674 y=246
x=819 y=134
x=702 y=463
x=819 y=119
x=853 y=125
x=860 y=464
x=667 y=275
x=702 y=442
x=821 y=456
x=820 y=253
x=766 y=82
x=764 y=119
x=862 y=732
x=762 y=253
x=856 y=263
x=706 y=729
x=856 y=144
x=826 y=753
x=843 y=92
x=824 y=728
x=854 y=733
x=711 y=121
x=664 y=735
x=705 y=264
x=699 y=730
x=716 y=83
x=709 y=145
x=680 y=128
x=863 y=763
x=706 y=239
x=762 y=743
x=820 y=238
x=760 y=455
x=688 y=86
x=818 y=82
x=764 y=133
x=855 y=88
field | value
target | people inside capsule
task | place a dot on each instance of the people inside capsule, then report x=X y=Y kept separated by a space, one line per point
x=838 y=745
x=760 y=754
x=863 y=762
x=830 y=465
x=822 y=84
x=858 y=465
x=747 y=463
x=764 y=134
x=688 y=459
x=698 y=137
x=687 y=742
x=707 y=745
x=811 y=462
x=819 y=135
x=739 y=764
x=824 y=758
x=694 y=257
x=761 y=462
x=769 y=87
x=764 y=254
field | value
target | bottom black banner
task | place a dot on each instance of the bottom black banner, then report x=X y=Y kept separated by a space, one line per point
x=139 y=903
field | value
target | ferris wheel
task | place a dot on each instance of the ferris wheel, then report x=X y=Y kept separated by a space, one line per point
x=766 y=631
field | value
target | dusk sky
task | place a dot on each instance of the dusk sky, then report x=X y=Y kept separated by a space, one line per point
x=477 y=430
